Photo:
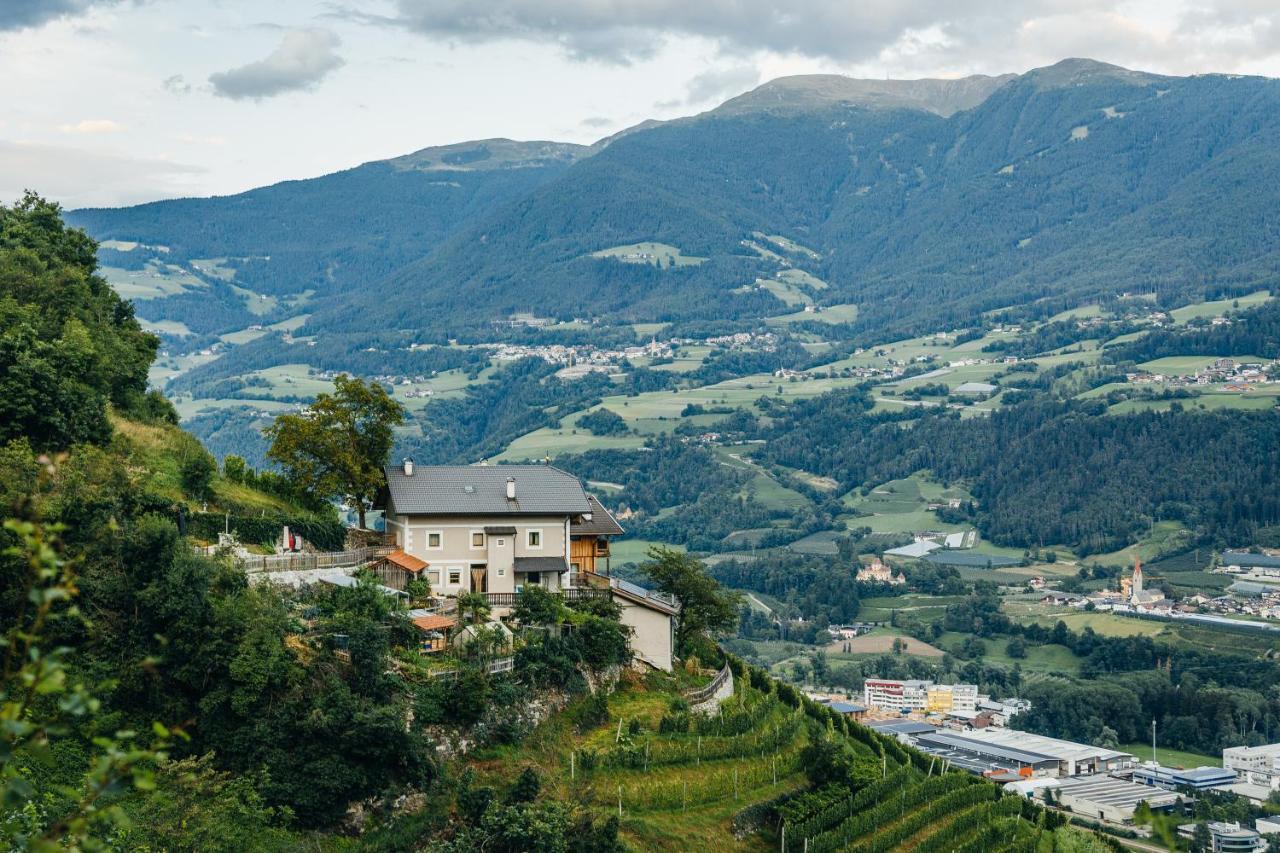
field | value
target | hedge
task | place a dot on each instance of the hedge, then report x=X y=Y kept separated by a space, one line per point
x=324 y=533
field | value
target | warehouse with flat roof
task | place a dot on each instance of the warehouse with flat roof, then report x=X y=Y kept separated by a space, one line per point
x=1031 y=754
x=1196 y=778
x=960 y=751
x=1106 y=797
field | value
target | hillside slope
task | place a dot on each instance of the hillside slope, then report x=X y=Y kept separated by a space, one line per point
x=768 y=770
x=1066 y=183
x=311 y=238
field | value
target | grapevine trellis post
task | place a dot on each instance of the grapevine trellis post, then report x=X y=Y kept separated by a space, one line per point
x=572 y=756
x=619 y=802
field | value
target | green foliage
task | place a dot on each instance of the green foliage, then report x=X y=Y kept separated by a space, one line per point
x=604 y=422
x=706 y=608
x=601 y=642
x=325 y=533
x=42 y=698
x=338 y=448
x=526 y=787
x=198 y=471
x=538 y=606
x=196 y=807
x=593 y=711
x=69 y=346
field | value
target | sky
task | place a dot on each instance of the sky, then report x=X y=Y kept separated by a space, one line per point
x=115 y=102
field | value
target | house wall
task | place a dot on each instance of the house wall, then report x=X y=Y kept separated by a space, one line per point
x=453 y=556
x=651 y=640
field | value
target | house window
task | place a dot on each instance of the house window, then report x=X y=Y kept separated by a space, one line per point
x=435 y=539
x=434 y=578
x=502 y=573
x=477 y=539
x=455 y=577
x=502 y=543
x=535 y=538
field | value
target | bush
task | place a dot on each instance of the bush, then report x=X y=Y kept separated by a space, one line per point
x=594 y=711
x=197 y=475
x=327 y=534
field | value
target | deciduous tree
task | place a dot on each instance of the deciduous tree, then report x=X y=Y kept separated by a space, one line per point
x=338 y=446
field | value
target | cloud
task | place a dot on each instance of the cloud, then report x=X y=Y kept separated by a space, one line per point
x=720 y=84
x=902 y=35
x=300 y=62
x=78 y=177
x=176 y=84
x=21 y=14
x=596 y=122
x=92 y=125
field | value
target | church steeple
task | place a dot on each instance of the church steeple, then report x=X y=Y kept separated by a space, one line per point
x=1135 y=585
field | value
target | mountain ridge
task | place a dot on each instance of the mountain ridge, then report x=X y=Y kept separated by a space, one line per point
x=924 y=203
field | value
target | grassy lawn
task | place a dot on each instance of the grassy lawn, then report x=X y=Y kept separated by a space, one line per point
x=1171 y=757
x=1259 y=399
x=1178 y=365
x=786 y=291
x=634 y=550
x=155 y=281
x=843 y=313
x=1107 y=624
x=653 y=254
x=1218 y=307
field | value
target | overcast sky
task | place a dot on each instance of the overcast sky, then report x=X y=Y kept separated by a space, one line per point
x=111 y=102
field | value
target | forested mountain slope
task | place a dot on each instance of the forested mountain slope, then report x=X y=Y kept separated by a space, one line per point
x=328 y=235
x=922 y=202
x=1066 y=183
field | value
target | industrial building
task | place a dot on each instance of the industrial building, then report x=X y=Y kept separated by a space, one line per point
x=897 y=696
x=984 y=759
x=1257 y=765
x=902 y=728
x=919 y=695
x=1172 y=778
x=1228 y=837
x=1106 y=797
x=1029 y=754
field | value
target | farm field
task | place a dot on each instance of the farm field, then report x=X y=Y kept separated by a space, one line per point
x=1218 y=308
x=741 y=392
x=654 y=254
x=1107 y=624
x=1258 y=399
x=1048 y=658
x=880 y=642
x=926 y=608
x=627 y=551
x=155 y=281
x=830 y=314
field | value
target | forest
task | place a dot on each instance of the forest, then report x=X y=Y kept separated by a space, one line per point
x=1055 y=472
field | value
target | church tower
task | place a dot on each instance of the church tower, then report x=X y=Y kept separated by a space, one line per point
x=1135 y=585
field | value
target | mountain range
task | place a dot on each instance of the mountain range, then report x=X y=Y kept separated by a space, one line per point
x=916 y=205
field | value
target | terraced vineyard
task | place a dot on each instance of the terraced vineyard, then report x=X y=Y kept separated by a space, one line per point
x=771 y=770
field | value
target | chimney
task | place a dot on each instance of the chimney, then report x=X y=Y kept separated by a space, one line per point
x=408 y=467
x=511 y=488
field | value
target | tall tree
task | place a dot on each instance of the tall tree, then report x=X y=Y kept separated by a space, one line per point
x=338 y=446
x=705 y=606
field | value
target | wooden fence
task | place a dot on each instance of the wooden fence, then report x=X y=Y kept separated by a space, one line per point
x=702 y=694
x=301 y=562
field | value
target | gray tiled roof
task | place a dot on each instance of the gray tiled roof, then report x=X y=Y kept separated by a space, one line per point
x=602 y=522
x=482 y=490
x=540 y=564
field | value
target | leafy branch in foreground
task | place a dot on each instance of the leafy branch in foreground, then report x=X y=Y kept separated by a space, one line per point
x=40 y=700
